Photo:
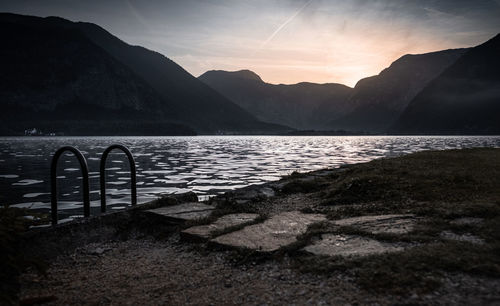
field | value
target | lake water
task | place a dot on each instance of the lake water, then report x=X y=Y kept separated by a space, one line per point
x=207 y=165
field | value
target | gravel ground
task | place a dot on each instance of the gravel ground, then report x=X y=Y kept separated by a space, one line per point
x=151 y=272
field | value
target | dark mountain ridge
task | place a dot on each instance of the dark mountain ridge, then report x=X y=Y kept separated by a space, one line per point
x=373 y=105
x=378 y=101
x=303 y=105
x=77 y=78
x=464 y=99
x=55 y=68
x=56 y=79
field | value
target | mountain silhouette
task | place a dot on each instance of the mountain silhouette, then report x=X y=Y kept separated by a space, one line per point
x=302 y=106
x=378 y=101
x=77 y=78
x=464 y=99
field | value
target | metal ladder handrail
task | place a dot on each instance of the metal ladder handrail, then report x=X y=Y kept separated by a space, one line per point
x=53 y=179
x=102 y=174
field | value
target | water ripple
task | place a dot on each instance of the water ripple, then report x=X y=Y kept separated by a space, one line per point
x=208 y=165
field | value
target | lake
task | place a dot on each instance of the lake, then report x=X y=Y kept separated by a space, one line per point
x=207 y=165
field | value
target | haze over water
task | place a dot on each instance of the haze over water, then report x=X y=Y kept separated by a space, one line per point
x=207 y=165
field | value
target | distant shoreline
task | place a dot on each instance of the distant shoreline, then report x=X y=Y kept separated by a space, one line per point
x=297 y=133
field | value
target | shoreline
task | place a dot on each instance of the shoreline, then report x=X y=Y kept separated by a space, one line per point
x=451 y=190
x=294 y=134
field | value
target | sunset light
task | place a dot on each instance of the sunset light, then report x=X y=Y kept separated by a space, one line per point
x=250 y=152
x=287 y=41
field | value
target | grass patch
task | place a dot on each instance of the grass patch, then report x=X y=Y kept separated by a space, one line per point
x=447 y=176
x=442 y=210
x=303 y=186
x=228 y=205
x=168 y=200
x=295 y=175
x=418 y=269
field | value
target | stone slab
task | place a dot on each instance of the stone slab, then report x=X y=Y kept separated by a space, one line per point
x=393 y=224
x=205 y=232
x=466 y=237
x=467 y=221
x=349 y=245
x=253 y=192
x=183 y=212
x=267 y=192
x=274 y=233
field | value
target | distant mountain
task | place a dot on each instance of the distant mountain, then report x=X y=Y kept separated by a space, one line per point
x=464 y=99
x=60 y=75
x=378 y=101
x=301 y=106
x=372 y=106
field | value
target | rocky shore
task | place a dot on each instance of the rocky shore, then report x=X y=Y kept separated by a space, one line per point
x=418 y=229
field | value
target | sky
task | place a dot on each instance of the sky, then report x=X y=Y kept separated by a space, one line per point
x=284 y=41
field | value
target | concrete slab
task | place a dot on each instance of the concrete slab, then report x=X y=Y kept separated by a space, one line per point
x=393 y=224
x=274 y=233
x=205 y=232
x=183 y=212
x=349 y=245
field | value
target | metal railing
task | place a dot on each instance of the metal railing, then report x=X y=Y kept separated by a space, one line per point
x=102 y=174
x=85 y=183
x=85 y=178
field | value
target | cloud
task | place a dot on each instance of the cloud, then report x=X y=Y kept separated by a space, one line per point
x=285 y=41
x=290 y=19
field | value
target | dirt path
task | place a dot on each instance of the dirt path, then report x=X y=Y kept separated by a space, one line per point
x=149 y=272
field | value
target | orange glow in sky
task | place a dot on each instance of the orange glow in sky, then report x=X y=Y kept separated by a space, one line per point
x=316 y=42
